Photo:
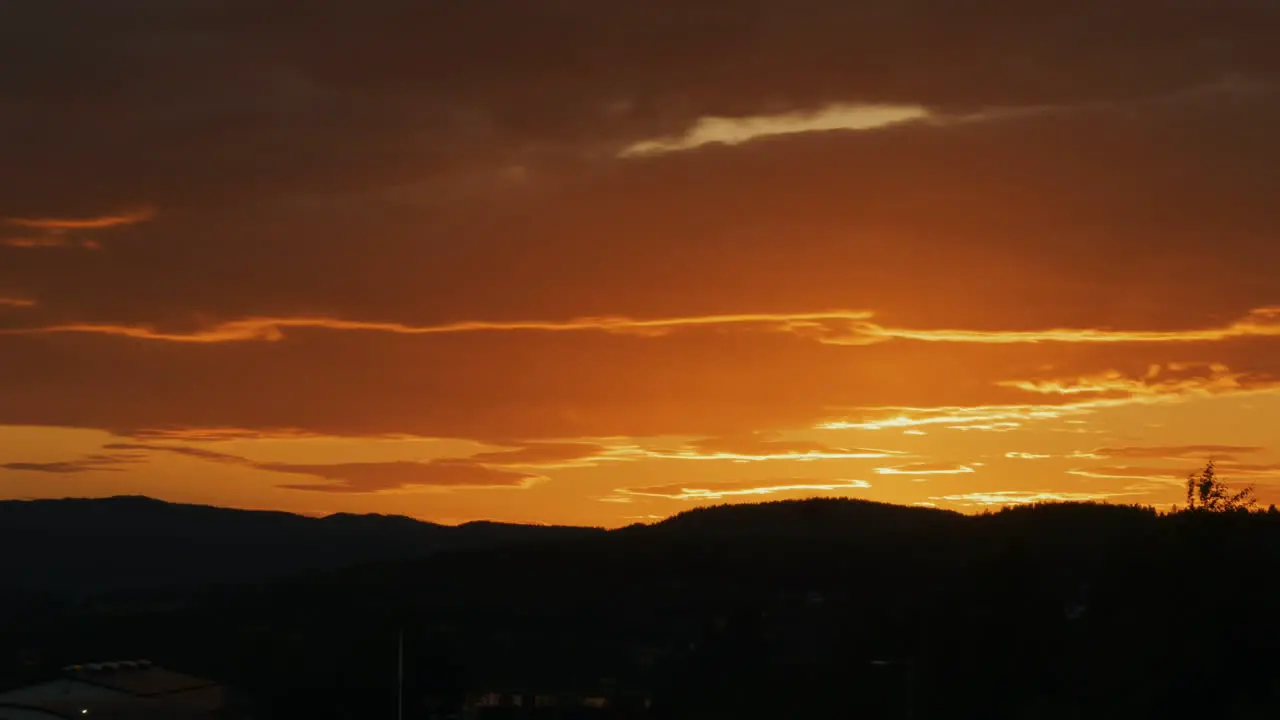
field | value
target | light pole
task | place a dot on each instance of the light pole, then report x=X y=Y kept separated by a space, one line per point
x=908 y=673
x=400 y=674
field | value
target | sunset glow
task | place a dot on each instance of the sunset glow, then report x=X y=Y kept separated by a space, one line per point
x=831 y=253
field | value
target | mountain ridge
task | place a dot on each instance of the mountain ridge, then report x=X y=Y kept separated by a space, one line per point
x=89 y=545
x=127 y=542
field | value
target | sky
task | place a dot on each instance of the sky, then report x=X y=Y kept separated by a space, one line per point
x=570 y=261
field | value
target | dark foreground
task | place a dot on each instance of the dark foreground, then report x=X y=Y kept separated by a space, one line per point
x=818 y=608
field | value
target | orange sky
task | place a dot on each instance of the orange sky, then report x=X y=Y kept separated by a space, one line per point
x=597 y=263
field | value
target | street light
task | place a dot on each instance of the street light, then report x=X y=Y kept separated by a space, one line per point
x=908 y=672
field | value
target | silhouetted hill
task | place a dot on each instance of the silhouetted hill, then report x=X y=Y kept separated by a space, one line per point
x=121 y=543
x=815 y=517
x=91 y=545
x=84 y=546
x=775 y=610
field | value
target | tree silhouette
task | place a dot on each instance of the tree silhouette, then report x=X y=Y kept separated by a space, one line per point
x=1207 y=493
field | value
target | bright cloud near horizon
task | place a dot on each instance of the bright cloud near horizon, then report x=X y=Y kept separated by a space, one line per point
x=584 y=262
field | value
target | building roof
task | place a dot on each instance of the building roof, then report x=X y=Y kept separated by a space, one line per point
x=119 y=690
x=32 y=711
x=137 y=678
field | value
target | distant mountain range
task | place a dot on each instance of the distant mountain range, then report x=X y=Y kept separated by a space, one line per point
x=83 y=546
x=90 y=545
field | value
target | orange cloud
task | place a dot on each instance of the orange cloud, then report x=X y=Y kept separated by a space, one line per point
x=984 y=417
x=1124 y=472
x=112 y=462
x=1173 y=452
x=270 y=329
x=1000 y=427
x=382 y=476
x=51 y=240
x=220 y=434
x=542 y=454
x=1248 y=469
x=758 y=447
x=1109 y=389
x=363 y=477
x=16 y=302
x=925 y=469
x=102 y=222
x=1175 y=475
x=198 y=453
x=766 y=445
x=711 y=490
x=1017 y=497
x=34 y=242
x=1260 y=322
x=689 y=387
x=836 y=327
x=1168 y=380
x=57 y=232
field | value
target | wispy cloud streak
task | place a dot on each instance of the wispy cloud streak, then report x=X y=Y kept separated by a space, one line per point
x=1260 y=322
x=56 y=232
x=1017 y=497
x=101 y=462
x=720 y=489
x=360 y=477
x=739 y=130
x=102 y=222
x=834 y=327
x=264 y=328
x=925 y=469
